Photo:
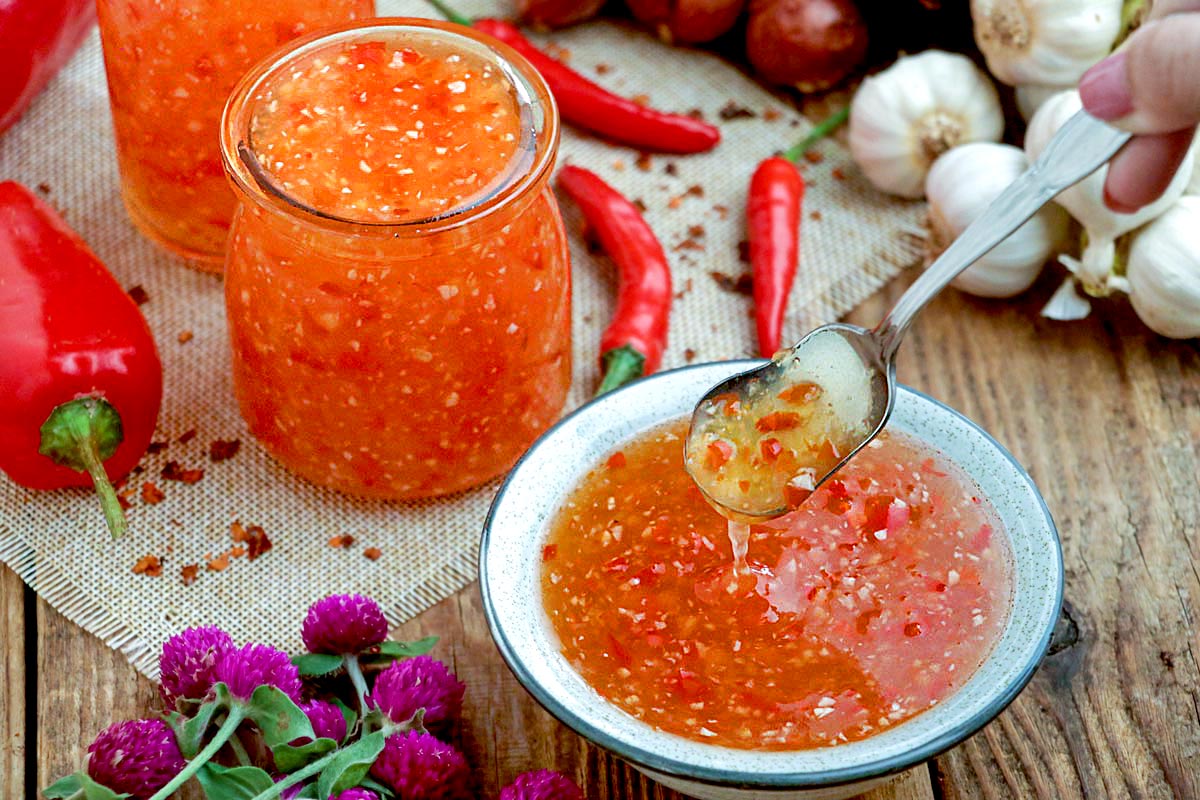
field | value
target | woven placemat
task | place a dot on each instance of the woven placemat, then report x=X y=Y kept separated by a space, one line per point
x=853 y=241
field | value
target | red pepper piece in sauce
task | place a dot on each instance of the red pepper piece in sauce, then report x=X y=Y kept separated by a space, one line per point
x=80 y=381
x=632 y=344
x=773 y=226
x=590 y=106
x=37 y=37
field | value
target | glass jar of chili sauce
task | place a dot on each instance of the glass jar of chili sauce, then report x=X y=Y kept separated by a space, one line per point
x=171 y=65
x=397 y=278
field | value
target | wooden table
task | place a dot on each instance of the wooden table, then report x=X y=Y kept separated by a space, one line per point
x=1104 y=415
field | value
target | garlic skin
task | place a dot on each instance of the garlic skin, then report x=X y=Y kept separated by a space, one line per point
x=960 y=186
x=903 y=118
x=1163 y=271
x=1085 y=200
x=1044 y=42
x=1031 y=96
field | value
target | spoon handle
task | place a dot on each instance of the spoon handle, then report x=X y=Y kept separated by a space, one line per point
x=1081 y=146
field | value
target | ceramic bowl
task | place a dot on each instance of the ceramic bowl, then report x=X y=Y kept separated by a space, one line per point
x=510 y=580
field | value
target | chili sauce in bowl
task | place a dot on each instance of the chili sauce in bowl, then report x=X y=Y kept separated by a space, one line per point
x=868 y=605
x=892 y=615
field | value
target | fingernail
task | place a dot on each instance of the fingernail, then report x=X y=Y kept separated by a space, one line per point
x=1104 y=89
x=1114 y=204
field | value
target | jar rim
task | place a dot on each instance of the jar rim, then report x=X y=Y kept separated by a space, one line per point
x=536 y=105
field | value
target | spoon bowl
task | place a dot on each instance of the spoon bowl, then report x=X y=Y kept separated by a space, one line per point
x=762 y=441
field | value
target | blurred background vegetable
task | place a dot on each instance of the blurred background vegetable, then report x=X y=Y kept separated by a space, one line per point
x=557 y=13
x=687 y=21
x=809 y=44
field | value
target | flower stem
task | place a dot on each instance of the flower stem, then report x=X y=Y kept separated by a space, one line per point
x=236 y=714
x=360 y=683
x=295 y=777
x=239 y=750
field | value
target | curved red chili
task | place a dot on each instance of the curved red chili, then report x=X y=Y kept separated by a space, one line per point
x=633 y=343
x=773 y=216
x=773 y=226
x=588 y=105
x=80 y=381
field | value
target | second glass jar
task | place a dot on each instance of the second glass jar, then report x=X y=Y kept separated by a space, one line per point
x=397 y=279
x=171 y=65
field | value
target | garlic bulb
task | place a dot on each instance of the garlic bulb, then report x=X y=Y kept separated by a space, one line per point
x=1030 y=97
x=960 y=186
x=903 y=118
x=1163 y=271
x=1085 y=200
x=1045 y=42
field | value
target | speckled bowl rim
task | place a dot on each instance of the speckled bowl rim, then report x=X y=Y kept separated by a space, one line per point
x=628 y=746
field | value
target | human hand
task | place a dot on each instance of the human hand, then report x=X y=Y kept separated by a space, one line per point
x=1151 y=87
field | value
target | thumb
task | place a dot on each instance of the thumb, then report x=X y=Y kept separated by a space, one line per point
x=1152 y=84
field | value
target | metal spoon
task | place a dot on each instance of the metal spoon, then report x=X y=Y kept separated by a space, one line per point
x=864 y=360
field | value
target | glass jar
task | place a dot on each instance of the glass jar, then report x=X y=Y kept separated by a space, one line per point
x=171 y=65
x=397 y=277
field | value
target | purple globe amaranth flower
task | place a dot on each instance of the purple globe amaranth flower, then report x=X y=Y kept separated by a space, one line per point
x=416 y=683
x=542 y=784
x=136 y=758
x=188 y=662
x=419 y=766
x=327 y=720
x=356 y=794
x=343 y=623
x=245 y=669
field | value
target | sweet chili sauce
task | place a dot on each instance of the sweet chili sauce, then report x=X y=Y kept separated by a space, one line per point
x=171 y=66
x=875 y=600
x=397 y=284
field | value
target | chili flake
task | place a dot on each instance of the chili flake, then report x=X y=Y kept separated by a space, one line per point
x=258 y=543
x=185 y=336
x=138 y=294
x=188 y=573
x=373 y=553
x=343 y=541
x=223 y=449
x=151 y=494
x=172 y=471
x=148 y=565
x=187 y=436
x=219 y=564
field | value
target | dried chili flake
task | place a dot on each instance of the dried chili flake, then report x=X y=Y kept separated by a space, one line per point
x=639 y=204
x=696 y=231
x=373 y=553
x=644 y=162
x=151 y=494
x=123 y=502
x=689 y=244
x=187 y=436
x=732 y=110
x=695 y=113
x=744 y=251
x=674 y=202
x=641 y=99
x=148 y=565
x=838 y=174
x=722 y=210
x=139 y=295
x=671 y=169
x=237 y=551
x=44 y=188
x=695 y=190
x=223 y=449
x=156 y=447
x=618 y=165
x=689 y=355
x=813 y=156
x=772 y=114
x=188 y=573
x=185 y=336
x=172 y=471
x=237 y=532
x=742 y=284
x=258 y=542
x=603 y=69
x=343 y=540
x=219 y=564
x=815 y=216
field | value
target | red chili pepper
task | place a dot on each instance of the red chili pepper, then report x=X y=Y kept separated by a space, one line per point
x=80 y=380
x=588 y=105
x=37 y=37
x=632 y=344
x=773 y=221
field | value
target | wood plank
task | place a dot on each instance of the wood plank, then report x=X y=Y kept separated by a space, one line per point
x=12 y=684
x=1106 y=417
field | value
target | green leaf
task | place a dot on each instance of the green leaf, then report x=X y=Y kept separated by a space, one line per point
x=316 y=664
x=97 y=791
x=350 y=766
x=290 y=759
x=64 y=787
x=408 y=649
x=378 y=788
x=280 y=720
x=233 y=783
x=190 y=734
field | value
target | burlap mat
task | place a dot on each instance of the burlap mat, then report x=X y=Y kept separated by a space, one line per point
x=852 y=242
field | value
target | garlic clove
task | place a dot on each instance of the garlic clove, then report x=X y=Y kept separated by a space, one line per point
x=1163 y=271
x=1044 y=42
x=1085 y=200
x=904 y=117
x=1031 y=96
x=960 y=186
x=1066 y=304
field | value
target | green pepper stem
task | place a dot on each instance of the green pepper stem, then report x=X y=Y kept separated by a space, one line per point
x=620 y=367
x=819 y=132
x=449 y=13
x=80 y=434
x=236 y=714
x=354 y=670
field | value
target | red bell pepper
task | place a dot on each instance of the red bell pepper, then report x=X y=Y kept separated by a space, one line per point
x=37 y=37
x=80 y=380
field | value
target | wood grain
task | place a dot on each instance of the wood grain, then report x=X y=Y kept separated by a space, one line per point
x=1106 y=417
x=12 y=684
